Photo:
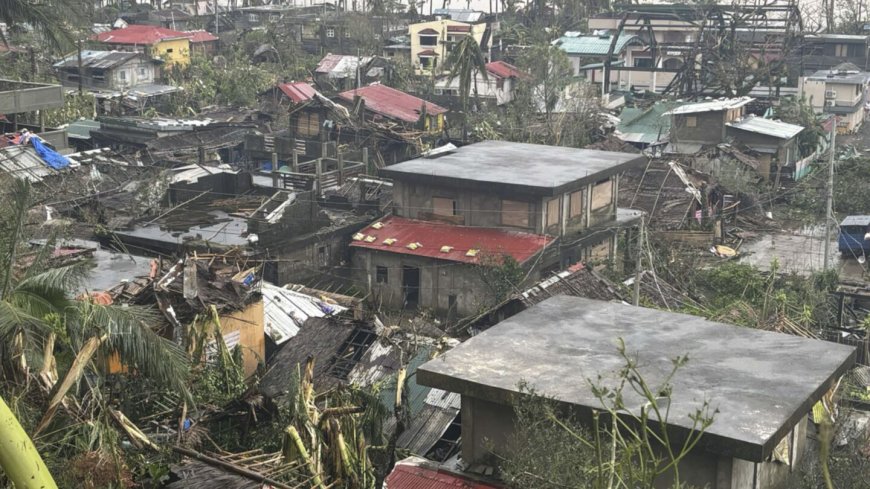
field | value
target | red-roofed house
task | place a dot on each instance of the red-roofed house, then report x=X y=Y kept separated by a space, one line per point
x=461 y=214
x=159 y=42
x=300 y=99
x=499 y=85
x=202 y=41
x=419 y=473
x=381 y=101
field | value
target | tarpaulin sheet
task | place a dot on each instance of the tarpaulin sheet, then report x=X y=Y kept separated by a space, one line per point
x=51 y=157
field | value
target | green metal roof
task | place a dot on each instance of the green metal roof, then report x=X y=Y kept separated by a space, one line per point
x=593 y=45
x=646 y=126
x=416 y=393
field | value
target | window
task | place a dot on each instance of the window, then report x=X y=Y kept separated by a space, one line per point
x=330 y=32
x=142 y=71
x=253 y=18
x=514 y=213
x=428 y=61
x=346 y=33
x=602 y=194
x=122 y=74
x=443 y=207
x=274 y=17
x=576 y=204
x=351 y=352
x=691 y=121
x=553 y=212
x=170 y=50
x=672 y=64
x=323 y=256
x=427 y=40
x=643 y=63
x=382 y=275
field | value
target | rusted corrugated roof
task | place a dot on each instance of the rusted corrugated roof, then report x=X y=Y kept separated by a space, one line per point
x=504 y=70
x=415 y=473
x=341 y=65
x=392 y=103
x=298 y=91
x=430 y=237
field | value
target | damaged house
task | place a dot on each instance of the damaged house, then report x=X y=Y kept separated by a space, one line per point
x=759 y=431
x=465 y=210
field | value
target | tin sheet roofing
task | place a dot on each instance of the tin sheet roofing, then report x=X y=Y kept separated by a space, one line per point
x=298 y=91
x=285 y=311
x=139 y=34
x=504 y=70
x=431 y=237
x=645 y=126
x=593 y=45
x=200 y=35
x=411 y=474
x=97 y=59
x=767 y=127
x=392 y=103
x=340 y=65
x=856 y=221
x=711 y=106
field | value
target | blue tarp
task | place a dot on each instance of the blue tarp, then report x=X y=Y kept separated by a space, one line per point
x=51 y=157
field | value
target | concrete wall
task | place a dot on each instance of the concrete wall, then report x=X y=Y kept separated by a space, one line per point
x=439 y=280
x=487 y=425
x=482 y=208
x=440 y=46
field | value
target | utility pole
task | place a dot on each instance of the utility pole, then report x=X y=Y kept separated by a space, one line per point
x=637 y=263
x=79 y=52
x=829 y=204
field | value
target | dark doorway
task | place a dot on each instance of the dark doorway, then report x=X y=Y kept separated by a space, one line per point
x=411 y=286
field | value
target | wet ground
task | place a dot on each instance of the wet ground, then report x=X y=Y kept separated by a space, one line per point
x=800 y=251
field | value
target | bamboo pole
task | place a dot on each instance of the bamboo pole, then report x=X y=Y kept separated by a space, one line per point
x=230 y=467
x=316 y=480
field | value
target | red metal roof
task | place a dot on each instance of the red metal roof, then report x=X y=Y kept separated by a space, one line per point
x=297 y=91
x=504 y=70
x=392 y=103
x=200 y=35
x=139 y=34
x=418 y=477
x=459 y=28
x=427 y=52
x=428 y=32
x=432 y=236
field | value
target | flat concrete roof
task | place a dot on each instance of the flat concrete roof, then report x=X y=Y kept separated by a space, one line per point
x=763 y=383
x=531 y=168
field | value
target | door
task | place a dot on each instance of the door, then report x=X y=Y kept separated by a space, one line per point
x=411 y=286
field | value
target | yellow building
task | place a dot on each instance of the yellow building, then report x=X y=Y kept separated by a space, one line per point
x=167 y=44
x=431 y=42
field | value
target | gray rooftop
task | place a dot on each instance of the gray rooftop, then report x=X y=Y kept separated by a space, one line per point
x=767 y=127
x=532 y=168
x=849 y=77
x=761 y=382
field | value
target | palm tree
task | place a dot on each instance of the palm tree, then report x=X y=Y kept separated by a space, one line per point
x=50 y=19
x=465 y=62
x=38 y=317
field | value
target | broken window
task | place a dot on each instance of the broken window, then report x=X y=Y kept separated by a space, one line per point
x=448 y=445
x=443 y=207
x=515 y=213
x=351 y=352
x=382 y=275
x=553 y=213
x=323 y=255
x=576 y=204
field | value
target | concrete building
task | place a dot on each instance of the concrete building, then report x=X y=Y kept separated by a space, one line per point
x=431 y=42
x=841 y=91
x=825 y=51
x=498 y=86
x=761 y=394
x=174 y=47
x=31 y=98
x=588 y=52
x=544 y=206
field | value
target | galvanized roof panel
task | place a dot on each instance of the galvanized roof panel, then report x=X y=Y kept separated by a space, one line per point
x=593 y=45
x=768 y=127
x=285 y=311
x=711 y=106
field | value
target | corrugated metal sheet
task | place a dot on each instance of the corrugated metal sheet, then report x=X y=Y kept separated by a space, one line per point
x=392 y=103
x=504 y=70
x=340 y=65
x=298 y=91
x=443 y=399
x=23 y=163
x=432 y=236
x=425 y=429
x=139 y=34
x=98 y=59
x=417 y=476
x=711 y=106
x=285 y=311
x=593 y=45
x=767 y=127
x=645 y=126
